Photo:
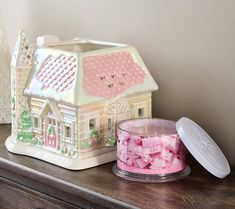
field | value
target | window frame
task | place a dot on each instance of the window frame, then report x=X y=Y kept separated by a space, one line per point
x=68 y=139
x=140 y=105
x=93 y=124
x=110 y=130
x=37 y=129
x=90 y=116
x=142 y=111
x=109 y=123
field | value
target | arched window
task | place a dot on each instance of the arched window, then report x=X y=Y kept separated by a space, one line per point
x=116 y=110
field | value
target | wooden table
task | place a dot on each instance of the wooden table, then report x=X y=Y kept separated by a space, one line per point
x=30 y=183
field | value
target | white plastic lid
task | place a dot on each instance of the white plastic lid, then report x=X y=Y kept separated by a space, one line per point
x=202 y=147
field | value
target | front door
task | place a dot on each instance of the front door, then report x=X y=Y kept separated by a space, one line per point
x=51 y=133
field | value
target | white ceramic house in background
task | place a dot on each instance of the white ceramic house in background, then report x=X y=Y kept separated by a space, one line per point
x=5 y=99
x=76 y=93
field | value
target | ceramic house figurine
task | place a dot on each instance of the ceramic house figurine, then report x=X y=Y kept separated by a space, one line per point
x=69 y=96
x=5 y=99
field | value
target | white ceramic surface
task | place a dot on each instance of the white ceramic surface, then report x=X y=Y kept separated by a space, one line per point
x=99 y=157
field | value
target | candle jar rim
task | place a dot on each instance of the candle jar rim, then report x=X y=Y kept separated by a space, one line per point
x=165 y=126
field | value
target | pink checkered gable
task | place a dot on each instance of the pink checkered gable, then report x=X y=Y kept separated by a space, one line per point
x=58 y=73
x=111 y=74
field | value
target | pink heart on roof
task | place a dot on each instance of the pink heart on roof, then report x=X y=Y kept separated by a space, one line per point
x=58 y=73
x=109 y=75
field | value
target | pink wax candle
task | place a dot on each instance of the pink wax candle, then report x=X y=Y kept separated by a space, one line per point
x=153 y=150
x=150 y=147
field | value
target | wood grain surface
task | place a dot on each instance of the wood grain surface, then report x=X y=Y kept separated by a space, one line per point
x=99 y=188
x=13 y=195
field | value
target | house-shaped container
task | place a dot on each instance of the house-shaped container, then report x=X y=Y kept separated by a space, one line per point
x=69 y=97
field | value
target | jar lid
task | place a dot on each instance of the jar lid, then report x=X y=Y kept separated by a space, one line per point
x=202 y=147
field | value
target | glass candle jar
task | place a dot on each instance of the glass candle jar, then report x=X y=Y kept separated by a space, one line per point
x=150 y=150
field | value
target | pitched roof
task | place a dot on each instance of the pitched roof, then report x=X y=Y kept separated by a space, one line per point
x=111 y=74
x=58 y=73
x=80 y=77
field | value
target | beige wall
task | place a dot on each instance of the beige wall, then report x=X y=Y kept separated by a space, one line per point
x=188 y=45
